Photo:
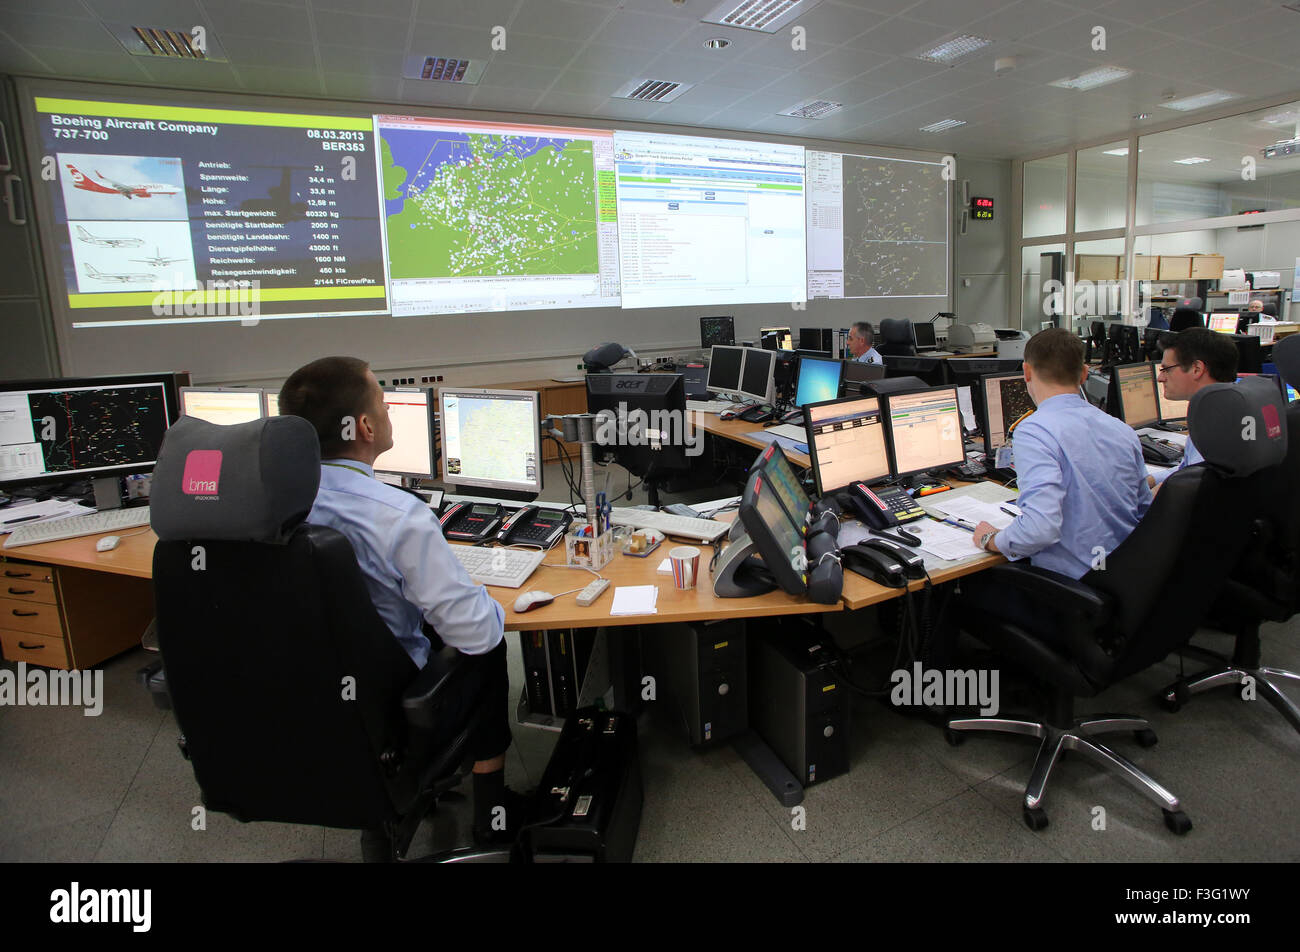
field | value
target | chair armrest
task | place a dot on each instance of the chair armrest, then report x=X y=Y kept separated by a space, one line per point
x=1054 y=590
x=421 y=697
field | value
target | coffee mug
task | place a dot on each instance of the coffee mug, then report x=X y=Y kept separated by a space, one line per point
x=686 y=565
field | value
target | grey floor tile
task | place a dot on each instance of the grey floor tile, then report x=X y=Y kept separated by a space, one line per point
x=965 y=829
x=71 y=842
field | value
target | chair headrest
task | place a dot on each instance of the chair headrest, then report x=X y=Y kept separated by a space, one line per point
x=252 y=482
x=895 y=329
x=1240 y=428
x=1286 y=357
x=1190 y=304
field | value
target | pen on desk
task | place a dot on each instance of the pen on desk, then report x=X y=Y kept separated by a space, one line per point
x=14 y=522
x=1009 y=512
x=959 y=525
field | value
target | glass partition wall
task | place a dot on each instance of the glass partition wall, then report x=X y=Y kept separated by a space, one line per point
x=1110 y=230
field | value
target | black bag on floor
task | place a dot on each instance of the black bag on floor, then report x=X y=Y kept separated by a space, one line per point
x=588 y=804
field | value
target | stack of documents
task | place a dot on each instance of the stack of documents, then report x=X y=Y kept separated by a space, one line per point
x=635 y=600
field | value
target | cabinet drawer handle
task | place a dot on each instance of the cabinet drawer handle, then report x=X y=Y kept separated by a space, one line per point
x=24 y=614
x=30 y=647
x=21 y=591
x=12 y=574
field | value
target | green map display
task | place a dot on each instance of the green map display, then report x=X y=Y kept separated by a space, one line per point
x=468 y=204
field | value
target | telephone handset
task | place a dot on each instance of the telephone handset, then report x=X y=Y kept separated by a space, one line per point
x=471 y=522
x=874 y=564
x=518 y=519
x=535 y=526
x=913 y=564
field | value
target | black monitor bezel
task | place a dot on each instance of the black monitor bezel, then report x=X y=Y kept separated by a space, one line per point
x=730 y=319
x=989 y=449
x=889 y=432
x=774 y=559
x=798 y=375
x=434 y=447
x=815 y=465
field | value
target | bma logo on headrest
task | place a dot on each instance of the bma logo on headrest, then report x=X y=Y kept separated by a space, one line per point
x=1272 y=425
x=202 y=473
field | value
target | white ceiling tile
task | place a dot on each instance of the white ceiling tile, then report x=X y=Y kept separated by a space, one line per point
x=898 y=37
x=54 y=8
x=740 y=42
x=505 y=100
x=528 y=50
x=592 y=84
x=354 y=60
x=260 y=19
x=438 y=39
x=679 y=113
x=83 y=34
x=19 y=59
x=507 y=73
x=356 y=29
x=706 y=96
x=640 y=30
x=290 y=82
x=436 y=94
x=394 y=9
x=954 y=13
x=843 y=64
x=900 y=72
x=85 y=64
x=159 y=13
x=475 y=13
x=189 y=73
x=558 y=18
x=366 y=87
x=260 y=50
x=777 y=53
x=682 y=69
x=746 y=75
x=620 y=59
x=887 y=7
x=570 y=104
x=857 y=91
x=835 y=23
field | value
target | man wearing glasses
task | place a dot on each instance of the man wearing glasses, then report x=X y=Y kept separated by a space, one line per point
x=1196 y=358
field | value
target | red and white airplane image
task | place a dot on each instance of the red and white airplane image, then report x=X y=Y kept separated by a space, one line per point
x=109 y=187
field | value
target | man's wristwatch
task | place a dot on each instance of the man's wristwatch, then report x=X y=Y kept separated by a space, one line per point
x=984 y=539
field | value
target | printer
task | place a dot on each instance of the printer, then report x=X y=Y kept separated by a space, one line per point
x=966 y=338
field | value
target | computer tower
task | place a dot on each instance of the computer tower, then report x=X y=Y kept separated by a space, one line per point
x=555 y=666
x=797 y=701
x=701 y=673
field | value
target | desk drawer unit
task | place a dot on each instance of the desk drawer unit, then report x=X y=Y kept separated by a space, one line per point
x=69 y=617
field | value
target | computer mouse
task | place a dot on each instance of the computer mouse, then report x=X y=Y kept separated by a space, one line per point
x=530 y=600
x=107 y=544
x=727 y=415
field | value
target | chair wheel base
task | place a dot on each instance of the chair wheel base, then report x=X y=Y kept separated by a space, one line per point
x=1146 y=738
x=1172 y=700
x=954 y=738
x=1177 y=821
x=1036 y=818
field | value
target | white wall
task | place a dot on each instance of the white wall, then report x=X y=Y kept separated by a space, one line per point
x=984 y=252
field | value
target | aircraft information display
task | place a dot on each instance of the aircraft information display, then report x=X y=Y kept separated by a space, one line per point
x=159 y=209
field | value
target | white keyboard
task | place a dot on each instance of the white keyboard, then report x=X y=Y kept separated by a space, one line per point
x=706 y=530
x=790 y=432
x=93 y=523
x=508 y=568
x=935 y=353
x=709 y=406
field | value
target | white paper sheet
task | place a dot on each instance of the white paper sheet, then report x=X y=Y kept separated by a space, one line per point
x=974 y=511
x=21 y=515
x=635 y=600
x=942 y=540
x=966 y=408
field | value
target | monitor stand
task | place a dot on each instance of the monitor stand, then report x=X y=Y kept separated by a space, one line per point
x=107 y=491
x=505 y=495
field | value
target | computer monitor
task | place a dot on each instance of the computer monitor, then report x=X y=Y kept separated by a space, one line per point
x=1133 y=394
x=717 y=330
x=784 y=339
x=930 y=369
x=856 y=373
x=649 y=411
x=819 y=339
x=924 y=336
x=967 y=371
x=724 y=368
x=410 y=412
x=82 y=427
x=785 y=481
x=695 y=378
x=223 y=405
x=846 y=440
x=756 y=375
x=271 y=401
x=1224 y=323
x=924 y=430
x=1004 y=400
x=818 y=380
x=492 y=439
x=773 y=531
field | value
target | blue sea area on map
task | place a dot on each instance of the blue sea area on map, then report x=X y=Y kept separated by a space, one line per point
x=422 y=152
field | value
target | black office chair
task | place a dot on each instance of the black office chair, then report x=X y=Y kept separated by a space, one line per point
x=1245 y=319
x=1145 y=602
x=1266 y=585
x=1156 y=319
x=895 y=338
x=295 y=702
x=930 y=369
x=1187 y=314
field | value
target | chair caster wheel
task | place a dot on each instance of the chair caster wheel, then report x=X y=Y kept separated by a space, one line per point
x=954 y=738
x=1036 y=818
x=1145 y=738
x=1177 y=821
x=1173 y=701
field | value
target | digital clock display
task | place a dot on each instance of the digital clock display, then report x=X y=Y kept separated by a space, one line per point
x=981 y=208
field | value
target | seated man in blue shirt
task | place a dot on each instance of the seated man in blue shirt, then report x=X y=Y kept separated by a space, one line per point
x=861 y=337
x=1081 y=475
x=1196 y=358
x=410 y=571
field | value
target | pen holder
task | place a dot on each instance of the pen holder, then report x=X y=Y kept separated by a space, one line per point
x=588 y=552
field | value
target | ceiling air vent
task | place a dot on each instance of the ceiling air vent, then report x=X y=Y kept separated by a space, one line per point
x=813 y=109
x=170 y=44
x=765 y=16
x=652 y=90
x=443 y=69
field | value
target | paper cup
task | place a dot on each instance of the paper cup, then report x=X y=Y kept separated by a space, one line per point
x=686 y=565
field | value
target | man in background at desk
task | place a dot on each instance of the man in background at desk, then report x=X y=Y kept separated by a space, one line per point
x=1080 y=472
x=1196 y=358
x=410 y=571
x=861 y=337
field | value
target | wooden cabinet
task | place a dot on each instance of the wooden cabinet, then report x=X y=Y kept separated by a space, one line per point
x=63 y=617
x=556 y=399
x=1144 y=267
x=1175 y=268
x=1097 y=267
x=1207 y=267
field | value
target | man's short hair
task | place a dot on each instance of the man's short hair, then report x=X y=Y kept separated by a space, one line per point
x=1215 y=350
x=323 y=393
x=1056 y=355
x=863 y=330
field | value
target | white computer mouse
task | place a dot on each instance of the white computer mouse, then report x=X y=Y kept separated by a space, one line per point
x=107 y=544
x=530 y=600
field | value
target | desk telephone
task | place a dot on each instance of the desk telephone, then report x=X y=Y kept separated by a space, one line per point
x=535 y=526
x=884 y=510
x=883 y=561
x=471 y=522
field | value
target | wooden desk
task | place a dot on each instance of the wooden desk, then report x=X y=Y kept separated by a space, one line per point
x=64 y=605
x=861 y=592
x=978 y=353
x=741 y=432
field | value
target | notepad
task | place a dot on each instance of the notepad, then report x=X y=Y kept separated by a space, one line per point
x=635 y=600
